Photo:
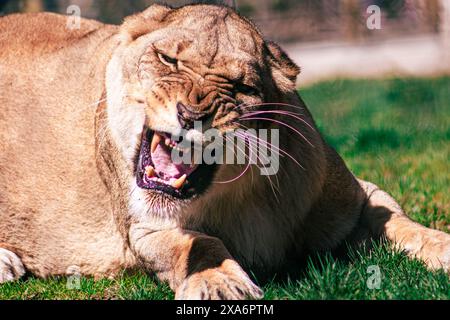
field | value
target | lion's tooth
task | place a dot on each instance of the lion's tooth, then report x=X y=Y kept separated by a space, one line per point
x=155 y=142
x=179 y=182
x=150 y=171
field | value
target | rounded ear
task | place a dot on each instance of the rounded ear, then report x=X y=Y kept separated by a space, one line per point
x=142 y=23
x=284 y=70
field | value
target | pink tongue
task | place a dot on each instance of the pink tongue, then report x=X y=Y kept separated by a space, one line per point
x=164 y=166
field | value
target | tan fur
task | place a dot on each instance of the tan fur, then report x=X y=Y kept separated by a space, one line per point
x=72 y=108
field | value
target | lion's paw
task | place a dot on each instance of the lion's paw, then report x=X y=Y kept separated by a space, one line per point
x=11 y=267
x=227 y=282
x=434 y=249
x=437 y=254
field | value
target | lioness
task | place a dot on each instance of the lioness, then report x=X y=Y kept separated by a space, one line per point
x=87 y=117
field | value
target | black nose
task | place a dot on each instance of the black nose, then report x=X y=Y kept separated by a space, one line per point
x=187 y=116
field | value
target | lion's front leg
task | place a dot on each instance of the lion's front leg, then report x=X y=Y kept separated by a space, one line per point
x=383 y=216
x=195 y=265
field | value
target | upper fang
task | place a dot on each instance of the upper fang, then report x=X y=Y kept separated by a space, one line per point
x=155 y=142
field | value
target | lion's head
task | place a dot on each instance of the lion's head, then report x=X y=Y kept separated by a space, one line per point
x=176 y=67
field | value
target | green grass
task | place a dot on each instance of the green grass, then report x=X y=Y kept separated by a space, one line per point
x=394 y=133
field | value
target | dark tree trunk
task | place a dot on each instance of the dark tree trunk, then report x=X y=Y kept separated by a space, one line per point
x=231 y=3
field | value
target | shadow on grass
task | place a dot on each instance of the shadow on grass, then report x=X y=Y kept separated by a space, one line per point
x=373 y=272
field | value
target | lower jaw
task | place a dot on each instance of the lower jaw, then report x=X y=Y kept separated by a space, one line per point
x=199 y=182
x=159 y=188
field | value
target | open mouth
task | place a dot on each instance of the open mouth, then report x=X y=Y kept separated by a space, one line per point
x=157 y=171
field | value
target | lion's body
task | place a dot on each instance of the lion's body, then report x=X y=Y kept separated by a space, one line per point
x=55 y=211
x=65 y=196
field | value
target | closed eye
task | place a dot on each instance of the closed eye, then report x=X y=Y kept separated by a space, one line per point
x=168 y=61
x=246 y=89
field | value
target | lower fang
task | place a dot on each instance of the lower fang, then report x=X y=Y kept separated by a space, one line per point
x=178 y=184
x=149 y=171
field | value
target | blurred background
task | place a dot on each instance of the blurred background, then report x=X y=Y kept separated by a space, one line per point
x=328 y=38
